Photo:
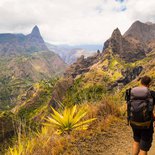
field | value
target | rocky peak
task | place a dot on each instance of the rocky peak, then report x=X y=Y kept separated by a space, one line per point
x=35 y=32
x=144 y=32
x=116 y=34
x=115 y=41
x=137 y=22
x=123 y=47
x=15 y=44
x=35 y=40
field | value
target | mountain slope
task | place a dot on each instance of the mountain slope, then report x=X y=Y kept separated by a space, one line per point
x=123 y=60
x=143 y=32
x=97 y=82
x=25 y=59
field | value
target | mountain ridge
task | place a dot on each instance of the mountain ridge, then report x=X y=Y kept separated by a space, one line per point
x=123 y=60
x=25 y=59
x=142 y=31
x=15 y=44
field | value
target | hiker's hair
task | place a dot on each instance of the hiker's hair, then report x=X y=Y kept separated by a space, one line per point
x=145 y=80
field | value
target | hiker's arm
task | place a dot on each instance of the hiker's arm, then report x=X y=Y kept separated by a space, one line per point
x=153 y=95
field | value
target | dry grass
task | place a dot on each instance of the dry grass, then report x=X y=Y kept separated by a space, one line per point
x=46 y=142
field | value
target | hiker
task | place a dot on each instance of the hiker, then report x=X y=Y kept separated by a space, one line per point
x=140 y=104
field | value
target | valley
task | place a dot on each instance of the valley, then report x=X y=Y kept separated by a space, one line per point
x=96 y=84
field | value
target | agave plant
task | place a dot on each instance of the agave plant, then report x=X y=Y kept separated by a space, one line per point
x=69 y=120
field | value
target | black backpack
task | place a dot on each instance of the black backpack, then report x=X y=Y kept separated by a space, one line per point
x=139 y=107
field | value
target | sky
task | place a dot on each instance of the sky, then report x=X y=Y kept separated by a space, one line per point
x=73 y=22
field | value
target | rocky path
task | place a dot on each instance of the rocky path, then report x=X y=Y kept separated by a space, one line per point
x=152 y=151
x=117 y=140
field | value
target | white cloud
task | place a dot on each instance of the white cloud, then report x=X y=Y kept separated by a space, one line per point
x=73 y=21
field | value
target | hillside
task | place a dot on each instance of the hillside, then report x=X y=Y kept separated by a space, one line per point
x=120 y=64
x=24 y=59
x=96 y=85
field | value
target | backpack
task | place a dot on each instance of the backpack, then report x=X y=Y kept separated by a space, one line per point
x=139 y=107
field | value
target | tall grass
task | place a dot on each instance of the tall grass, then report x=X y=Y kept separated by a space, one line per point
x=46 y=142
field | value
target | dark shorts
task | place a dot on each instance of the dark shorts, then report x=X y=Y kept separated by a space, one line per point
x=144 y=137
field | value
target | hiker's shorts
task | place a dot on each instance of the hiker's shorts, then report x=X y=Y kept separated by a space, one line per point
x=144 y=137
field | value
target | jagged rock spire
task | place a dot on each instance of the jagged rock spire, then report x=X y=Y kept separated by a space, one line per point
x=124 y=48
x=115 y=41
x=116 y=34
x=35 y=31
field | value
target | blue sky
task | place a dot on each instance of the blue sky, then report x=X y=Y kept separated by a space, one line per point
x=73 y=21
x=121 y=1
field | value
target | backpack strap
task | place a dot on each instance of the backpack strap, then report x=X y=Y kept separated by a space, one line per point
x=128 y=94
x=127 y=98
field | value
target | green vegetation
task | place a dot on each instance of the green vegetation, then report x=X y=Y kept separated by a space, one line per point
x=47 y=141
x=89 y=97
x=36 y=106
x=84 y=92
x=10 y=91
x=19 y=72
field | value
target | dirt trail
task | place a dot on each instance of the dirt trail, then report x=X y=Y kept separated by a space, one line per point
x=117 y=140
x=152 y=151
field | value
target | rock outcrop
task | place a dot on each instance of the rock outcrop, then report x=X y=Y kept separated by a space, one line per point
x=82 y=65
x=126 y=49
x=128 y=76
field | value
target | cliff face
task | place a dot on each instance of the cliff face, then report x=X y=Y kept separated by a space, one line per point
x=82 y=65
x=144 y=33
x=128 y=49
x=141 y=31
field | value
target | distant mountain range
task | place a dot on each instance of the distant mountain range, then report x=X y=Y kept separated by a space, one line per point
x=71 y=53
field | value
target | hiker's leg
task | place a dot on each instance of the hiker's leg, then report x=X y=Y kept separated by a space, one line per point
x=136 y=143
x=146 y=140
x=142 y=152
x=135 y=148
